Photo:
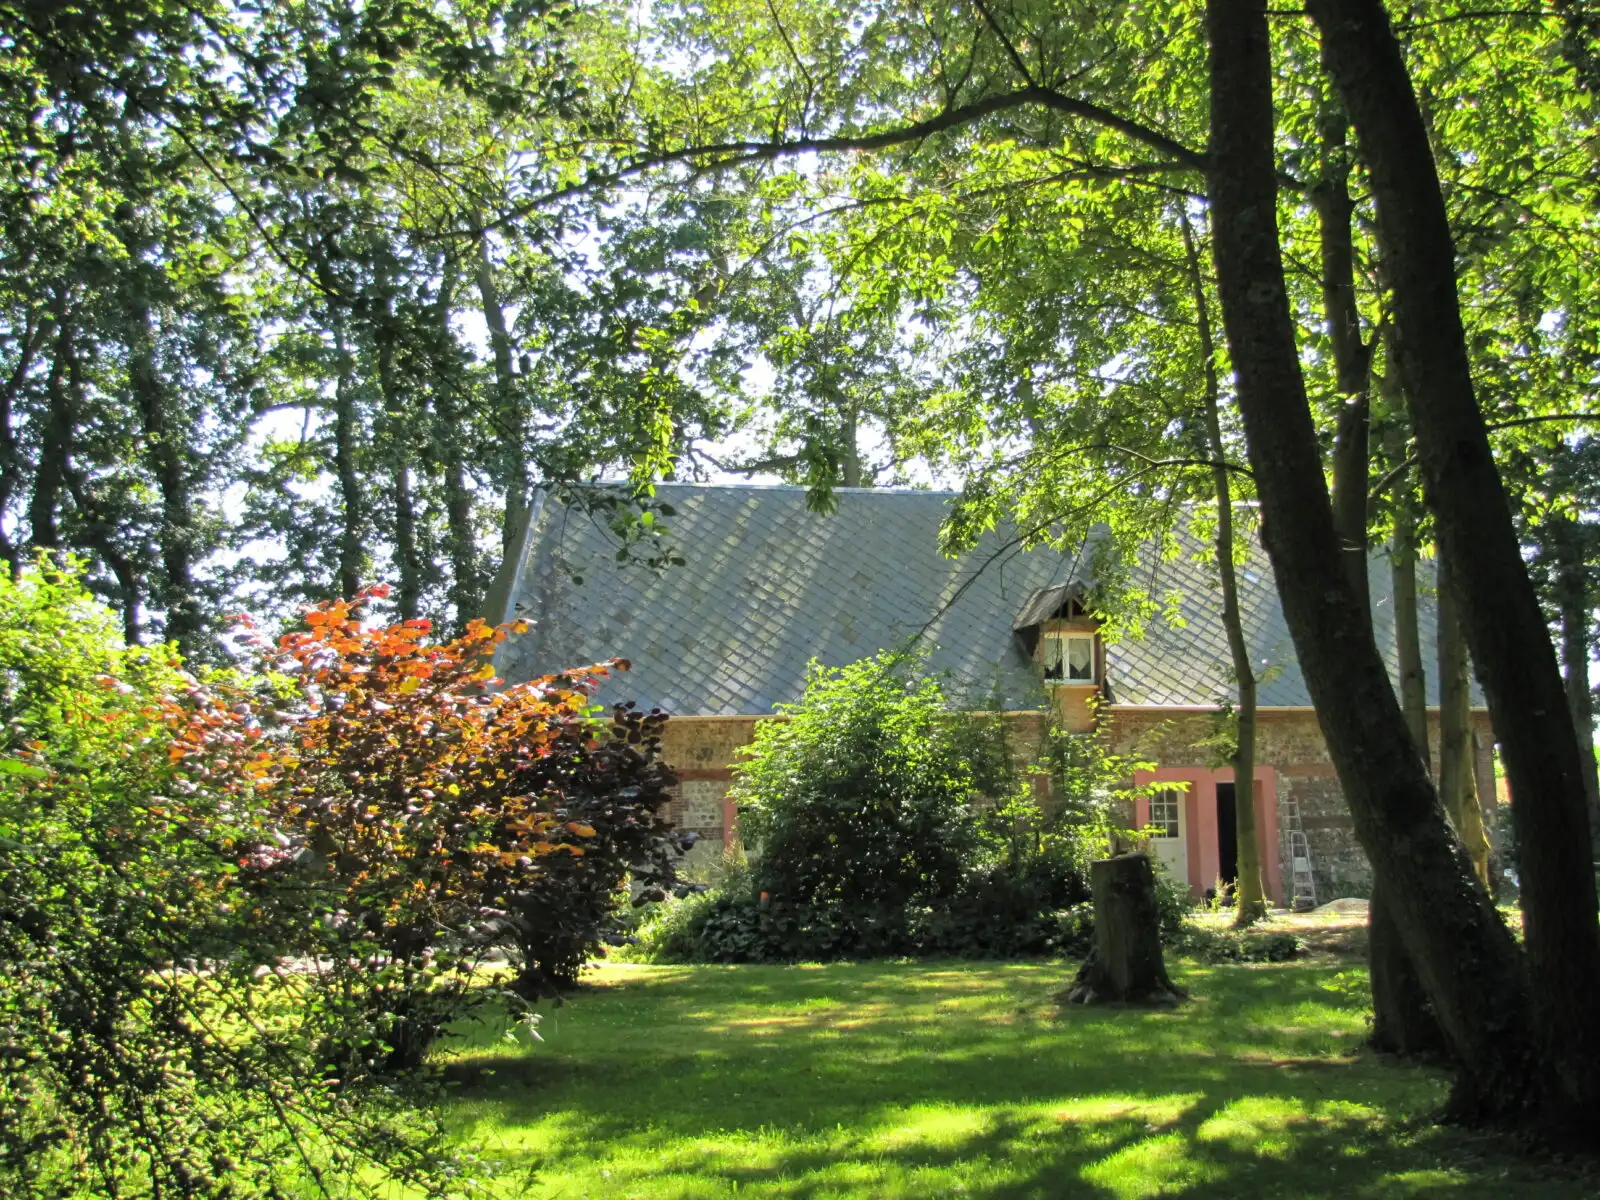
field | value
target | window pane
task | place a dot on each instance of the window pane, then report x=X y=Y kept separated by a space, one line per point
x=1080 y=658
x=1164 y=814
x=1052 y=658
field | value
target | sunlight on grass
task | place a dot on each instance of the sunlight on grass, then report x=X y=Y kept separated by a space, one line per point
x=911 y=1080
x=1150 y=1168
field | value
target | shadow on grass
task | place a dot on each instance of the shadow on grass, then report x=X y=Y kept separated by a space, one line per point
x=965 y=1079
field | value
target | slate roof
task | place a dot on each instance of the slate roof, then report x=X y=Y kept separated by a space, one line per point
x=769 y=585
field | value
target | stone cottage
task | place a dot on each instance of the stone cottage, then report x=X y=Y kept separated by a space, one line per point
x=770 y=585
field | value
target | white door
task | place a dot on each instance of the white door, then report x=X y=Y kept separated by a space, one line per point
x=1167 y=841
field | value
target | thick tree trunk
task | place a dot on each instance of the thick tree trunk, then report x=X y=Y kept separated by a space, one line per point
x=1125 y=966
x=1464 y=953
x=1403 y=1021
x=1456 y=766
x=1504 y=625
x=1577 y=618
x=1250 y=900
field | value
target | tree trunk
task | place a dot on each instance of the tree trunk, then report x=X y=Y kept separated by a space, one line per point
x=851 y=448
x=1250 y=903
x=466 y=585
x=1577 y=616
x=1456 y=787
x=408 y=566
x=167 y=451
x=1352 y=356
x=1407 y=635
x=1504 y=625
x=1402 y=1020
x=55 y=444
x=353 y=556
x=1125 y=965
x=1464 y=953
x=32 y=338
x=511 y=422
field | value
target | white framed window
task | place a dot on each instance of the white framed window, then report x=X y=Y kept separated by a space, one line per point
x=1069 y=657
x=1164 y=813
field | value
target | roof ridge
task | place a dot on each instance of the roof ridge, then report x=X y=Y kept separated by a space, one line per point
x=736 y=486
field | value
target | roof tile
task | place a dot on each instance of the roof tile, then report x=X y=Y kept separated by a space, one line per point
x=770 y=584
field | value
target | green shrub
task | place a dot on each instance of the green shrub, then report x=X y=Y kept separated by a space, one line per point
x=885 y=824
x=1236 y=946
x=860 y=803
x=123 y=857
x=1174 y=902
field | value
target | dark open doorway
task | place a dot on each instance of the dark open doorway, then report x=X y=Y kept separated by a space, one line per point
x=1227 y=835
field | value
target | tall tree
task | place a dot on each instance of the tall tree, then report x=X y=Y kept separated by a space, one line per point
x=1464 y=953
x=1500 y=612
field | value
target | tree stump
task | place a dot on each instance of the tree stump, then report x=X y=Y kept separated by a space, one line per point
x=1125 y=965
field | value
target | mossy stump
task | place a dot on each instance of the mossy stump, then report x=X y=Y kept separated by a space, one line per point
x=1125 y=964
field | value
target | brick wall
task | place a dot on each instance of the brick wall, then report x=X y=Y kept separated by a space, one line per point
x=1289 y=745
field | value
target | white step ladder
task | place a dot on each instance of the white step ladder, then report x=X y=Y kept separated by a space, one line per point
x=1302 y=879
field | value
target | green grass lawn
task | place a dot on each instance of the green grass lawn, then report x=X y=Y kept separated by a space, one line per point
x=957 y=1079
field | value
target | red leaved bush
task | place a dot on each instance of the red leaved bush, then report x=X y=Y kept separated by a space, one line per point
x=425 y=812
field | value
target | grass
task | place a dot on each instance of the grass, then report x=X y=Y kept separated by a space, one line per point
x=965 y=1080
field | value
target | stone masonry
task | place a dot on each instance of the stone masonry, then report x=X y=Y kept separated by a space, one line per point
x=1292 y=762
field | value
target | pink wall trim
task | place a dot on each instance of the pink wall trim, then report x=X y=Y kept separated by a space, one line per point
x=1200 y=820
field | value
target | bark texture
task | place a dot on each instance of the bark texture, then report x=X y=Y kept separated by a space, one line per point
x=1456 y=775
x=1125 y=966
x=1504 y=626
x=1463 y=952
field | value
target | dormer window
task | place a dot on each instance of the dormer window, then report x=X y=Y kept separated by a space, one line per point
x=1069 y=658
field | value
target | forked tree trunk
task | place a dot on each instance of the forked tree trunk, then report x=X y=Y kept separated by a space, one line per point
x=1125 y=965
x=1463 y=952
x=1504 y=624
x=1402 y=1021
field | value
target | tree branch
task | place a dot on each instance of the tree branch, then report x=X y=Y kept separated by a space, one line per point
x=717 y=156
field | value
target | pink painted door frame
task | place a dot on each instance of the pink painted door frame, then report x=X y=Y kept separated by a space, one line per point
x=1200 y=818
